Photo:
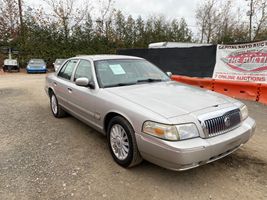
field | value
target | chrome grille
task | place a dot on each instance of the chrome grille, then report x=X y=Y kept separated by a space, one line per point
x=222 y=124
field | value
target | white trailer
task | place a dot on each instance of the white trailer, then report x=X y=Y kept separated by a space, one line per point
x=175 y=45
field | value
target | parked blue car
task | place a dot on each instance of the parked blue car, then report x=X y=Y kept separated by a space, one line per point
x=36 y=66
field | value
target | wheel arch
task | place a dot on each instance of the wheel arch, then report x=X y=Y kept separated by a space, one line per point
x=111 y=115
x=50 y=91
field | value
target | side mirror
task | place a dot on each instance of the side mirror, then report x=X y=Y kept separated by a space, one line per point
x=84 y=82
x=169 y=74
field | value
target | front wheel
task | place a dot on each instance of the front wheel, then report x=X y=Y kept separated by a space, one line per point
x=122 y=142
x=56 y=109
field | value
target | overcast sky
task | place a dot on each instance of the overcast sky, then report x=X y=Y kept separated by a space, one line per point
x=169 y=8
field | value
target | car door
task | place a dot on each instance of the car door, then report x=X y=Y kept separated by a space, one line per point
x=62 y=85
x=82 y=99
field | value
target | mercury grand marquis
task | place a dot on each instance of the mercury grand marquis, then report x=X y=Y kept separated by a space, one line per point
x=146 y=115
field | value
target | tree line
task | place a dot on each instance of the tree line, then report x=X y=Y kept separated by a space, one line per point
x=225 y=22
x=64 y=28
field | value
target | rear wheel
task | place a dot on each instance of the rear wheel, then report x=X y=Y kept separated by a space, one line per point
x=56 y=109
x=122 y=142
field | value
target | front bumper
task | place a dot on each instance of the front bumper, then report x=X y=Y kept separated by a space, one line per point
x=191 y=153
x=37 y=70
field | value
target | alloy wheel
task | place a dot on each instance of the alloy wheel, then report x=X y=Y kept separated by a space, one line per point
x=119 y=142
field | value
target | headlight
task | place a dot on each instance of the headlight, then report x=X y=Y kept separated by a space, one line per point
x=44 y=67
x=244 y=112
x=170 y=132
x=187 y=131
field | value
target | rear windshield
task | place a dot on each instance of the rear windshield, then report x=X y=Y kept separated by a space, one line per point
x=36 y=61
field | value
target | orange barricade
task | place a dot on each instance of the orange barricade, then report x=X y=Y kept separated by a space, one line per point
x=263 y=94
x=176 y=78
x=242 y=90
x=206 y=83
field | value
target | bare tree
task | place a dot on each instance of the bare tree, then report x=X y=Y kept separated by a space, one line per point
x=9 y=19
x=104 y=21
x=207 y=18
x=68 y=13
x=105 y=8
x=226 y=22
x=259 y=11
x=215 y=20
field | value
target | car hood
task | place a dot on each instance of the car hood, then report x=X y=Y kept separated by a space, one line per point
x=169 y=99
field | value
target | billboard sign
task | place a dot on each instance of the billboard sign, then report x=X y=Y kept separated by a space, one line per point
x=242 y=62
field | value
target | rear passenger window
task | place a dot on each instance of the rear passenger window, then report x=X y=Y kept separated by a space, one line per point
x=84 y=70
x=67 y=69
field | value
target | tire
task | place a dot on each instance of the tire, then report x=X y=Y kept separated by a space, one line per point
x=56 y=109
x=118 y=143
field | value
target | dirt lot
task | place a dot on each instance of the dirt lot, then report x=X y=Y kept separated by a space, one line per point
x=46 y=158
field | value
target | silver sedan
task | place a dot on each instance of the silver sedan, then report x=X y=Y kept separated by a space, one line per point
x=145 y=115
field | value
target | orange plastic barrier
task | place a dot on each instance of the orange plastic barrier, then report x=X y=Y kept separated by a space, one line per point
x=176 y=78
x=242 y=90
x=263 y=94
x=206 y=83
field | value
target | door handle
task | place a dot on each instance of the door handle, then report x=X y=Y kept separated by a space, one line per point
x=70 y=90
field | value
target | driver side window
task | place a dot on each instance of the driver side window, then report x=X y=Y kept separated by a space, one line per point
x=84 y=70
x=67 y=69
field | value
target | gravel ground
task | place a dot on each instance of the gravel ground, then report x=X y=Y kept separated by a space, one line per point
x=46 y=158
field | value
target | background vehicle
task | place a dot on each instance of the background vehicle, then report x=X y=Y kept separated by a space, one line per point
x=11 y=64
x=36 y=66
x=58 y=63
x=146 y=115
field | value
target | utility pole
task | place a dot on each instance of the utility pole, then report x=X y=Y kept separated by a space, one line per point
x=250 y=20
x=20 y=17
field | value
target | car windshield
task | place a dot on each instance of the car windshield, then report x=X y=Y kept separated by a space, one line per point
x=36 y=61
x=112 y=73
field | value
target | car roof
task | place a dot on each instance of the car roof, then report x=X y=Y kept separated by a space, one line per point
x=36 y=59
x=106 y=57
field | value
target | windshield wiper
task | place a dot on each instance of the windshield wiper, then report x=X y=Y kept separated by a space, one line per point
x=120 y=84
x=150 y=80
x=133 y=83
